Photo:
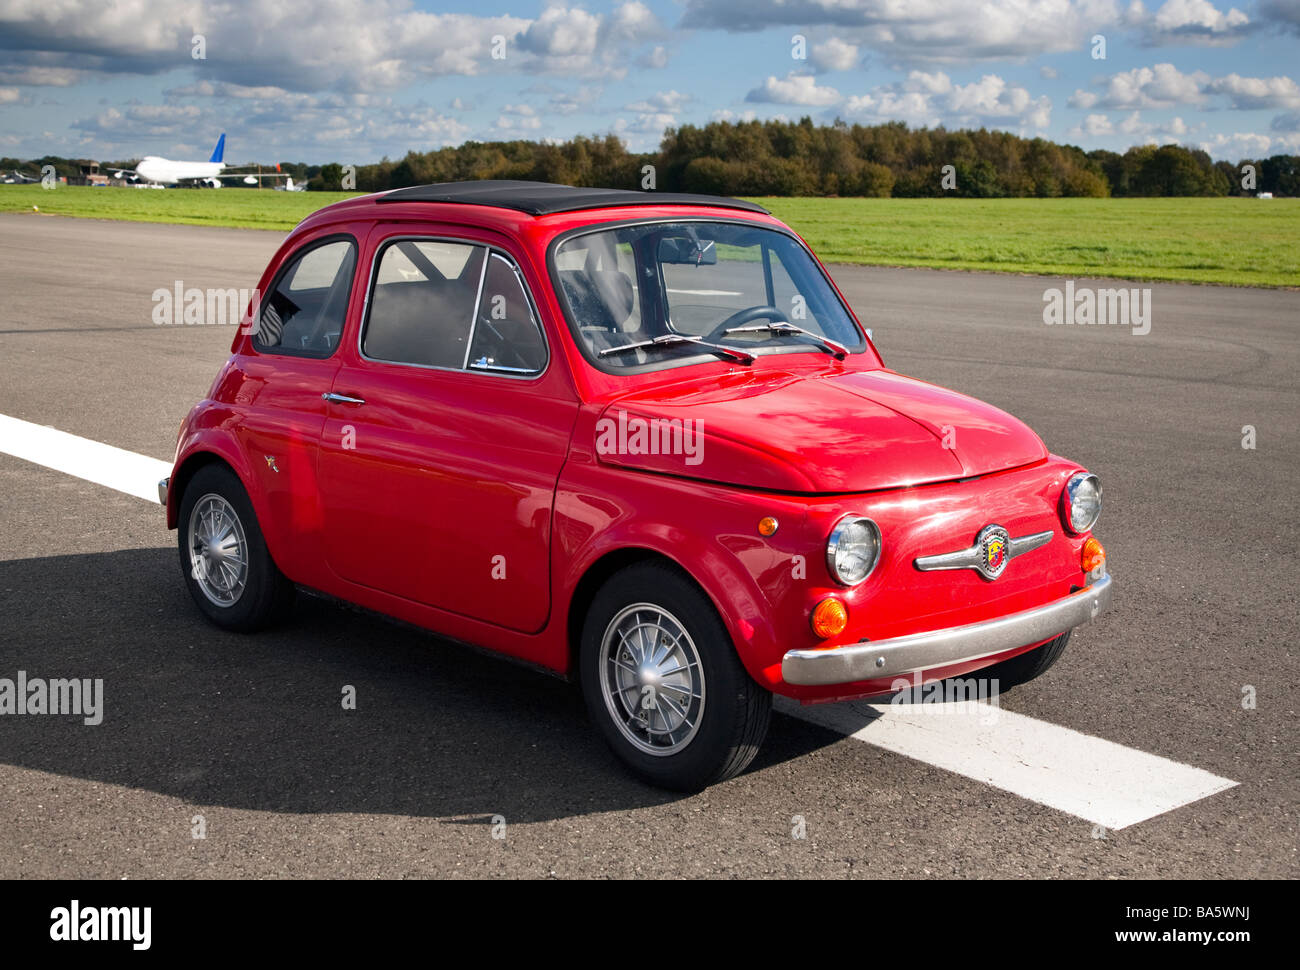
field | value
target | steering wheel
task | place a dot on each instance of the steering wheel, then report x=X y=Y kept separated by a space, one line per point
x=741 y=317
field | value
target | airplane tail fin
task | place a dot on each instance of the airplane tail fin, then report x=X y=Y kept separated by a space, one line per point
x=218 y=153
x=288 y=183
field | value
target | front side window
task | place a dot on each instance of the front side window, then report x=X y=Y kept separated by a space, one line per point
x=422 y=305
x=452 y=305
x=308 y=305
x=682 y=284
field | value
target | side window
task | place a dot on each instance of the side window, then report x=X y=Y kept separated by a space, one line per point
x=305 y=311
x=422 y=307
x=507 y=337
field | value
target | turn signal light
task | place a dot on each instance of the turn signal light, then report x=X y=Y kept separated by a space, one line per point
x=767 y=526
x=829 y=618
x=1093 y=555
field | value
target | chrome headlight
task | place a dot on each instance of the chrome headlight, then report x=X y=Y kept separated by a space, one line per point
x=1081 y=502
x=853 y=549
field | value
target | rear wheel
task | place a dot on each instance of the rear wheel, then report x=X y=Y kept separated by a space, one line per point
x=1025 y=667
x=663 y=684
x=227 y=567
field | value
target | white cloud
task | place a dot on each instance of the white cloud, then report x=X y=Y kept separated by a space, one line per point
x=514 y=123
x=1164 y=86
x=958 y=31
x=313 y=45
x=1094 y=125
x=663 y=101
x=794 y=88
x=932 y=98
x=1197 y=19
x=834 y=55
x=1240 y=145
x=1247 y=93
x=655 y=58
x=923 y=30
x=1160 y=86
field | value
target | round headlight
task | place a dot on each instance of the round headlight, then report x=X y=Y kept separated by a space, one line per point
x=1081 y=502
x=853 y=549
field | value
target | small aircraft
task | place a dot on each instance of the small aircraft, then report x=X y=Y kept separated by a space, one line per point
x=20 y=178
x=165 y=171
x=290 y=187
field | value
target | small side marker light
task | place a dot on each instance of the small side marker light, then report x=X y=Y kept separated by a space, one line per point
x=829 y=618
x=1093 y=555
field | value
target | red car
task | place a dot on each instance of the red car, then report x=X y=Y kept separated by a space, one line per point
x=638 y=439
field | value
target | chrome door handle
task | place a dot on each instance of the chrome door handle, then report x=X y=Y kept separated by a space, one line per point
x=342 y=398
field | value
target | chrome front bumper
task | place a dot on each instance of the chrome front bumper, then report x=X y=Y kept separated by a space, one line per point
x=941 y=648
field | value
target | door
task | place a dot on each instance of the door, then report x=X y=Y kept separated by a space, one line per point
x=445 y=436
x=276 y=386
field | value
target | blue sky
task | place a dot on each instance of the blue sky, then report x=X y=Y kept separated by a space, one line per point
x=354 y=80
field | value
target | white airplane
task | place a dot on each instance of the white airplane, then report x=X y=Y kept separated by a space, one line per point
x=19 y=177
x=165 y=171
x=290 y=187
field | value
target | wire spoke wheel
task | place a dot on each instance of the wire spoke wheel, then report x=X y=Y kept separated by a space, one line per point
x=218 y=550
x=651 y=679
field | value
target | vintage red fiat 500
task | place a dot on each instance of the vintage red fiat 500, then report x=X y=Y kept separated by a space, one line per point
x=637 y=439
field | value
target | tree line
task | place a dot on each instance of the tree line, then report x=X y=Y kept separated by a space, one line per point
x=800 y=158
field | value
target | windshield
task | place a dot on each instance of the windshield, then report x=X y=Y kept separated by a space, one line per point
x=650 y=296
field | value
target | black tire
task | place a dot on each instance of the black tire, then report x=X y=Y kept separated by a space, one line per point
x=266 y=595
x=736 y=711
x=1026 y=666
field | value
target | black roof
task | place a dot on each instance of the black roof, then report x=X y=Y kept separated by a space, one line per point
x=543 y=198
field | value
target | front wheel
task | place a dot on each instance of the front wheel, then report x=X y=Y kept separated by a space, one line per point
x=663 y=684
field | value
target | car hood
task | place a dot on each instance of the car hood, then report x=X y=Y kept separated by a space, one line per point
x=832 y=431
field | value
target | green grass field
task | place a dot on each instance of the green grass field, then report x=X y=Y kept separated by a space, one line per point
x=1244 y=242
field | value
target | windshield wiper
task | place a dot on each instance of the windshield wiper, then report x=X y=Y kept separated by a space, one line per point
x=676 y=339
x=781 y=328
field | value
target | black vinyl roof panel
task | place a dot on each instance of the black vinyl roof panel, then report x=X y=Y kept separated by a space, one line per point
x=544 y=198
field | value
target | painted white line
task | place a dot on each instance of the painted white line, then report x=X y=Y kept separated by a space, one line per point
x=1103 y=782
x=95 y=462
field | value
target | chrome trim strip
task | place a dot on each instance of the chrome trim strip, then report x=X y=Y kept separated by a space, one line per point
x=478 y=304
x=938 y=648
x=973 y=558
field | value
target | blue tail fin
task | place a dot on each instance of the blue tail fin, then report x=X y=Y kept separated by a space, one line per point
x=218 y=153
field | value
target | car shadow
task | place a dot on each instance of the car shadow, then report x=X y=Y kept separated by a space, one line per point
x=258 y=722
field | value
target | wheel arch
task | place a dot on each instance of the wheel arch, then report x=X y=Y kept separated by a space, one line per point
x=599 y=572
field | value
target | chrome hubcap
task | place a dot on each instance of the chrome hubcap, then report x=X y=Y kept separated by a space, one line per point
x=651 y=679
x=218 y=550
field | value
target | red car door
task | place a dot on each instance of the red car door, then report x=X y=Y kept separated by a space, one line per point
x=276 y=384
x=448 y=424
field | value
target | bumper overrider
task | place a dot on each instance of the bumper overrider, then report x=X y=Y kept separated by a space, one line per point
x=941 y=648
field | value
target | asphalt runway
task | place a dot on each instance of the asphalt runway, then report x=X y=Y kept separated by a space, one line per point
x=446 y=744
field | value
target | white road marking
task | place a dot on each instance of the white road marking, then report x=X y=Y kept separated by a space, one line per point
x=103 y=464
x=1103 y=782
